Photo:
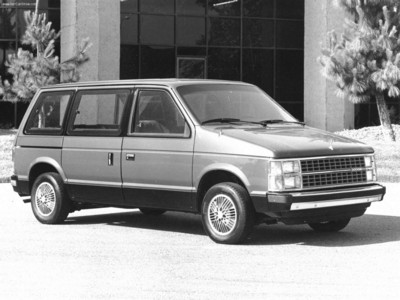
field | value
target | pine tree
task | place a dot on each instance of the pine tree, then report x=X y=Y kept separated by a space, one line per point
x=39 y=67
x=364 y=62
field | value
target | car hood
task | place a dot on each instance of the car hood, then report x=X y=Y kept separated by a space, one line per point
x=284 y=141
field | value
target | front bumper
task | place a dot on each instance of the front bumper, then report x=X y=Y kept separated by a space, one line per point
x=20 y=186
x=321 y=205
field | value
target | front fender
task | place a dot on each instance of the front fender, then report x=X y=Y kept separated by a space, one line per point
x=222 y=167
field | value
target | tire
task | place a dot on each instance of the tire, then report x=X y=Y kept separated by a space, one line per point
x=49 y=200
x=227 y=213
x=152 y=211
x=330 y=226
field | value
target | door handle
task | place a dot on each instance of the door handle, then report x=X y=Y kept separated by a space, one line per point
x=130 y=156
x=110 y=159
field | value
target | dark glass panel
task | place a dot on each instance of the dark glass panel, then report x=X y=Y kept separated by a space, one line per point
x=17 y=3
x=191 y=7
x=366 y=115
x=258 y=8
x=223 y=32
x=290 y=34
x=374 y=115
x=289 y=75
x=258 y=68
x=192 y=51
x=129 y=29
x=224 y=63
x=6 y=48
x=129 y=6
x=290 y=9
x=361 y=115
x=258 y=33
x=223 y=8
x=53 y=16
x=157 y=62
x=394 y=110
x=157 y=6
x=7 y=23
x=157 y=30
x=43 y=4
x=191 y=68
x=27 y=47
x=53 y=3
x=57 y=49
x=190 y=31
x=129 y=62
x=22 y=23
x=6 y=113
x=295 y=109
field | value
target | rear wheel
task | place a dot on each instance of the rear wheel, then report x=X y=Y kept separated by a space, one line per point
x=227 y=213
x=50 y=202
x=152 y=211
x=330 y=226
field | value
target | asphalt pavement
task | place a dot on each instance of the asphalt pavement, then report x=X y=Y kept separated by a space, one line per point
x=122 y=254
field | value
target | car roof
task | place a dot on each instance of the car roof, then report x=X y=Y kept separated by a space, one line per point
x=169 y=82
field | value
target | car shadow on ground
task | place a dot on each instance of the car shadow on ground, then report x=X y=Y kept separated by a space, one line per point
x=365 y=230
x=175 y=222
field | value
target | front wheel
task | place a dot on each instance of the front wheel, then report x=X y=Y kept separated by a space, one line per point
x=330 y=226
x=49 y=200
x=227 y=213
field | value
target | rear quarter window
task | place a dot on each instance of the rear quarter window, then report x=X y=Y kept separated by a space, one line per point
x=48 y=115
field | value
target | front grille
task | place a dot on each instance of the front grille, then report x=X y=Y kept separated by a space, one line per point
x=335 y=171
x=331 y=164
x=339 y=178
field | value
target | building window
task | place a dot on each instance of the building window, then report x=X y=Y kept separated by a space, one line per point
x=259 y=42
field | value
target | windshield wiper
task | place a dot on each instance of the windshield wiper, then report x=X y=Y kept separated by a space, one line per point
x=221 y=120
x=266 y=122
x=263 y=123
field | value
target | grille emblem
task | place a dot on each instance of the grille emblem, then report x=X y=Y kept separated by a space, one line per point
x=331 y=145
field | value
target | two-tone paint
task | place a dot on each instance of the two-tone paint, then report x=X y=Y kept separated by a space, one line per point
x=174 y=173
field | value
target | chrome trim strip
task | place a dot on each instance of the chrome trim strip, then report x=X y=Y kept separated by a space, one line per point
x=344 y=191
x=95 y=183
x=23 y=177
x=332 y=203
x=337 y=171
x=132 y=185
x=322 y=157
x=259 y=193
x=344 y=185
x=159 y=187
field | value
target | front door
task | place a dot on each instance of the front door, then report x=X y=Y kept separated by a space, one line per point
x=157 y=154
x=91 y=155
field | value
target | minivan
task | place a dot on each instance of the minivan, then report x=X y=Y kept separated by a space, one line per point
x=222 y=149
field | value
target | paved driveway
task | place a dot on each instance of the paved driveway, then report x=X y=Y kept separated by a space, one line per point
x=122 y=254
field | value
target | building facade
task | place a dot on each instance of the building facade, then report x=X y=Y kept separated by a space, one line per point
x=271 y=43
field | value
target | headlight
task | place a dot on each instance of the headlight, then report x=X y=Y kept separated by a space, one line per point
x=370 y=168
x=368 y=161
x=291 y=166
x=284 y=175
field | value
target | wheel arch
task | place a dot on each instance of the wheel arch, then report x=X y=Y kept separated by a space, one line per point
x=43 y=165
x=219 y=174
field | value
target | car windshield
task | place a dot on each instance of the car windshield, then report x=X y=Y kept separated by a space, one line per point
x=228 y=103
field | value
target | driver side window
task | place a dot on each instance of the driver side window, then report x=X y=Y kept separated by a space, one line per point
x=156 y=114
